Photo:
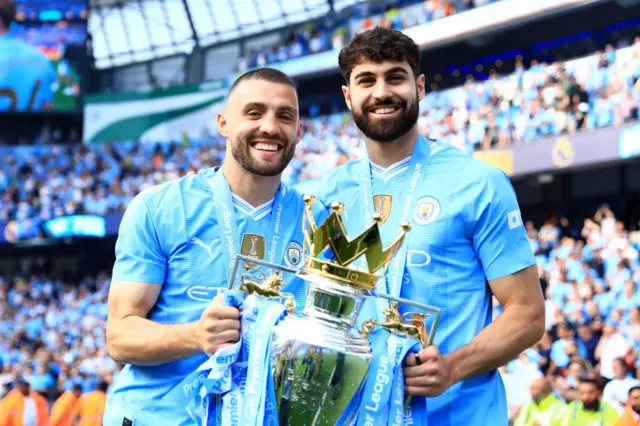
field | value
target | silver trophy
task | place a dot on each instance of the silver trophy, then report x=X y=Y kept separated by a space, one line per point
x=320 y=357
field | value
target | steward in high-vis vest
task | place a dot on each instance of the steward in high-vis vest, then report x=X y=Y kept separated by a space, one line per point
x=544 y=409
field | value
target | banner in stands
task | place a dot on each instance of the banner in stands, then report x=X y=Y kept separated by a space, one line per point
x=563 y=152
x=155 y=116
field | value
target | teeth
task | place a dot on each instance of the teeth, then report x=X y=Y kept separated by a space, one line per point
x=266 y=146
x=384 y=110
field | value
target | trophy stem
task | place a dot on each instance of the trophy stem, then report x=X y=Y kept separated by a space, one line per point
x=334 y=302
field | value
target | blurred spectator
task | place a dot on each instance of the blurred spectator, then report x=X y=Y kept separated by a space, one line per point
x=62 y=409
x=612 y=345
x=631 y=416
x=89 y=409
x=544 y=409
x=22 y=406
x=589 y=410
x=616 y=392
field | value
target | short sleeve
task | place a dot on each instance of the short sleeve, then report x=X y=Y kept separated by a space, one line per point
x=499 y=236
x=139 y=256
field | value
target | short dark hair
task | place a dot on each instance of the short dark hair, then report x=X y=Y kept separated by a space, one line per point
x=8 y=12
x=588 y=381
x=77 y=387
x=267 y=74
x=379 y=45
x=103 y=386
x=633 y=388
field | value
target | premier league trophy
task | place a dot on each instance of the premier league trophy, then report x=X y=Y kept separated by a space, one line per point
x=320 y=357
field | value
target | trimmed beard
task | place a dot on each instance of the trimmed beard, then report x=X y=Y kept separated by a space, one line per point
x=387 y=130
x=594 y=406
x=241 y=151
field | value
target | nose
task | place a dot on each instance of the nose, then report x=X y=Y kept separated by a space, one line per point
x=269 y=125
x=381 y=90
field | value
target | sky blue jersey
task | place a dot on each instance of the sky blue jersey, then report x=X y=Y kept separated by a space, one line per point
x=26 y=76
x=466 y=229
x=170 y=236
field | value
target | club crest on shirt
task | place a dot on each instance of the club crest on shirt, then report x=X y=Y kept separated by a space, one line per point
x=382 y=205
x=293 y=256
x=427 y=211
x=253 y=245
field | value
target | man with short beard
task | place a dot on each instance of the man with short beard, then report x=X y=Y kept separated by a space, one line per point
x=178 y=243
x=589 y=410
x=631 y=416
x=468 y=242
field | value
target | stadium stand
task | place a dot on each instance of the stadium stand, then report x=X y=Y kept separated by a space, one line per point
x=309 y=39
x=546 y=99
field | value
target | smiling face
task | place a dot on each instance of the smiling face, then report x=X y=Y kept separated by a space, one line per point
x=384 y=99
x=261 y=125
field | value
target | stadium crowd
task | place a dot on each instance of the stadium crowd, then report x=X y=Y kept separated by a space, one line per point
x=310 y=39
x=52 y=332
x=53 y=343
x=546 y=99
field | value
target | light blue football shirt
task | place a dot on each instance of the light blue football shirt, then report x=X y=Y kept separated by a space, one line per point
x=26 y=74
x=169 y=236
x=466 y=229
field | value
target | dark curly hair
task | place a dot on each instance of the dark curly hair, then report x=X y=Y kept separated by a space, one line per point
x=379 y=45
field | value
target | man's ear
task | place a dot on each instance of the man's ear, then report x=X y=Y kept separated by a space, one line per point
x=347 y=96
x=222 y=125
x=299 y=132
x=420 y=86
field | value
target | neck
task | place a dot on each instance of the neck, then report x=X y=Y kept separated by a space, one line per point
x=384 y=154
x=255 y=190
x=540 y=399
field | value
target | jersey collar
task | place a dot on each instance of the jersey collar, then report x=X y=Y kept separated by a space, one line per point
x=256 y=213
x=401 y=166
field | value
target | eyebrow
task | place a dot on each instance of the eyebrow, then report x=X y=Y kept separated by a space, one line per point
x=389 y=71
x=262 y=106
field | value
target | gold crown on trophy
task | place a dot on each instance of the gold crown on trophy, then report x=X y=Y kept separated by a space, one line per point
x=332 y=233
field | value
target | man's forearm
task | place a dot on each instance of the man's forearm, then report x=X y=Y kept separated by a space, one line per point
x=515 y=330
x=136 y=340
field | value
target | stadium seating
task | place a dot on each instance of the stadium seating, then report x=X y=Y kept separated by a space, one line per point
x=580 y=95
x=310 y=39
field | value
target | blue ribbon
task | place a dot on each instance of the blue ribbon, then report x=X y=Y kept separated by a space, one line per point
x=228 y=228
x=218 y=391
x=256 y=396
x=381 y=400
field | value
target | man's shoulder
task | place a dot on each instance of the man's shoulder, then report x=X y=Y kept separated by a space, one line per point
x=169 y=194
x=341 y=178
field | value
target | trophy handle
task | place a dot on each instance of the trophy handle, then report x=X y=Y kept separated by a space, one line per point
x=255 y=281
x=411 y=324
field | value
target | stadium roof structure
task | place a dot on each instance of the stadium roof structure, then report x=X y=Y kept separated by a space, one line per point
x=129 y=31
